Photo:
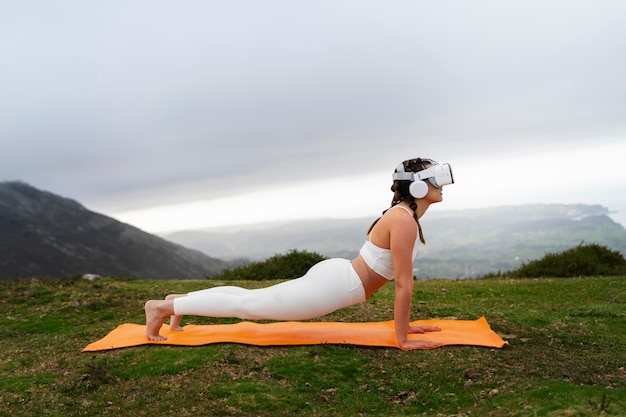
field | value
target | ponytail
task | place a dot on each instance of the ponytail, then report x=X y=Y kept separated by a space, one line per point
x=400 y=189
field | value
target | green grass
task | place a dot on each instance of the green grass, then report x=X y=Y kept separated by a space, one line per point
x=567 y=356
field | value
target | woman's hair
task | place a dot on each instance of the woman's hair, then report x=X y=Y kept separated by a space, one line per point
x=401 y=192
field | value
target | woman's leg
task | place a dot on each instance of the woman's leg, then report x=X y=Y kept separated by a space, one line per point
x=328 y=286
x=174 y=319
x=157 y=311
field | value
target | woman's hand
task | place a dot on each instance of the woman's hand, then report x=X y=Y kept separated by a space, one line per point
x=423 y=329
x=408 y=344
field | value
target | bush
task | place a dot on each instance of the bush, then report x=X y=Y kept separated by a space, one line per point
x=582 y=260
x=294 y=264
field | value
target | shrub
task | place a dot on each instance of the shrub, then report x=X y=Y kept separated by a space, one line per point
x=293 y=264
x=582 y=260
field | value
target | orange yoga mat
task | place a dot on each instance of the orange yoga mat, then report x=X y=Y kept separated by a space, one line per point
x=453 y=332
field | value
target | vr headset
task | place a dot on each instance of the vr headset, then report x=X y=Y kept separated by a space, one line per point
x=437 y=175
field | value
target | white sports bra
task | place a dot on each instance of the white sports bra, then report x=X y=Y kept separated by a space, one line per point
x=379 y=259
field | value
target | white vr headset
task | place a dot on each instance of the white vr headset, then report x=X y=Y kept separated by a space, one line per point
x=437 y=175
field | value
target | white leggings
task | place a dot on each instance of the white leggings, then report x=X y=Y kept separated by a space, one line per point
x=328 y=286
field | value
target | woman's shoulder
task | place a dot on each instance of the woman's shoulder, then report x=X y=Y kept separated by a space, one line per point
x=394 y=221
x=402 y=209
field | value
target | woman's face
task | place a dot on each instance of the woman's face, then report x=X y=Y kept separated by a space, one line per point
x=434 y=195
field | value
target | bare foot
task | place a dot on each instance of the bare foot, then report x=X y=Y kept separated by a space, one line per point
x=174 y=319
x=156 y=313
x=175 y=324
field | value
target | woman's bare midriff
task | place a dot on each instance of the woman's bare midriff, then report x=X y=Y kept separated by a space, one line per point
x=370 y=279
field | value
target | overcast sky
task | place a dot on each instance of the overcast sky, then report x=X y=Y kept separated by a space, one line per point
x=171 y=115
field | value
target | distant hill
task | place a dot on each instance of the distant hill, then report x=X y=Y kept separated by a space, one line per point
x=42 y=234
x=474 y=242
x=464 y=243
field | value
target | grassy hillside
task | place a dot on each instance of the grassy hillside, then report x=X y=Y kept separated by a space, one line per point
x=567 y=356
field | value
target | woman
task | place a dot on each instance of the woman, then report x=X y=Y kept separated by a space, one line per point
x=388 y=253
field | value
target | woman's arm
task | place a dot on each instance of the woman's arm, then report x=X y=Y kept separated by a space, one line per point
x=402 y=238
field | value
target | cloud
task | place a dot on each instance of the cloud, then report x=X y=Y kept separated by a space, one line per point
x=557 y=175
x=129 y=105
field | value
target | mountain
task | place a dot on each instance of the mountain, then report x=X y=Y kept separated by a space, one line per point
x=463 y=243
x=42 y=234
